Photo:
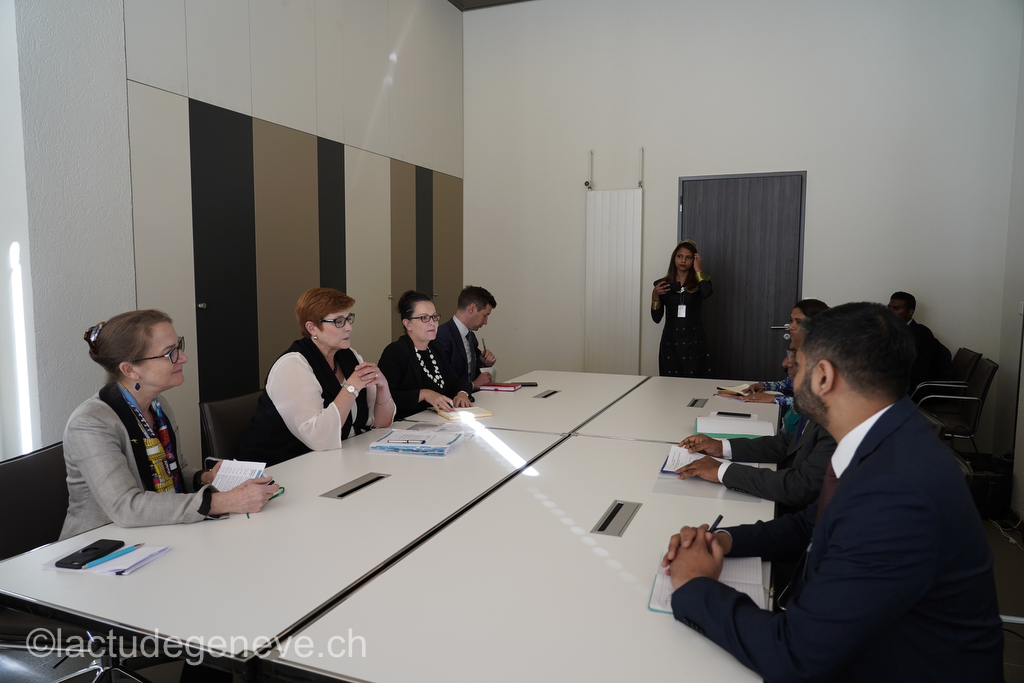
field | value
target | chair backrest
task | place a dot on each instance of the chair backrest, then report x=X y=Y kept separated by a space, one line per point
x=977 y=386
x=964 y=363
x=937 y=425
x=223 y=423
x=33 y=499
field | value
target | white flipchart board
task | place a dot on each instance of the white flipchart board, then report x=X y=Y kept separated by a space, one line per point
x=612 y=318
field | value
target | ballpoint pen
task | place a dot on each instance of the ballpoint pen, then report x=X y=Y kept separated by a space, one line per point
x=111 y=556
x=715 y=525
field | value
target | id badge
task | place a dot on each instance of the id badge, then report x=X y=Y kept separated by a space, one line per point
x=681 y=313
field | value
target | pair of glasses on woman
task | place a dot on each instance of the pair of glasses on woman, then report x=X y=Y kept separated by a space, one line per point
x=426 y=318
x=340 y=322
x=171 y=355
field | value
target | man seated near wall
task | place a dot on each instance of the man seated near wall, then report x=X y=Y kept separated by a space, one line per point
x=802 y=458
x=895 y=582
x=459 y=341
x=931 y=362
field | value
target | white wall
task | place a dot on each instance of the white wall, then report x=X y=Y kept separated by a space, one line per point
x=75 y=124
x=1013 y=294
x=13 y=228
x=902 y=114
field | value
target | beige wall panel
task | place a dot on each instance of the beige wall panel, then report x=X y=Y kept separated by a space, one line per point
x=219 y=64
x=287 y=232
x=366 y=75
x=426 y=86
x=330 y=59
x=368 y=248
x=283 y=48
x=162 y=215
x=403 y=236
x=154 y=38
x=448 y=281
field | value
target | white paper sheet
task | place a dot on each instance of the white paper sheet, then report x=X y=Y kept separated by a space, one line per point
x=235 y=472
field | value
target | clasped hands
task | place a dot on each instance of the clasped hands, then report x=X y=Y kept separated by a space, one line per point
x=366 y=374
x=695 y=552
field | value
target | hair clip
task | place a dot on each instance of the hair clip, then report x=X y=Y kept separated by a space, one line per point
x=91 y=334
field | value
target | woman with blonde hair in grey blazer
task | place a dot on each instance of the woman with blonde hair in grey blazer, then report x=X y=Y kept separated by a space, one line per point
x=121 y=446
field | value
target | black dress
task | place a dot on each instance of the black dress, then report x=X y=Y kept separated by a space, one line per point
x=400 y=363
x=684 y=346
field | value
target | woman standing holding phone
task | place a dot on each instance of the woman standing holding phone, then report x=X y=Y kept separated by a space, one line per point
x=677 y=297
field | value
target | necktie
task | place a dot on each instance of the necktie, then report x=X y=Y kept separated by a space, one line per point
x=800 y=429
x=828 y=489
x=471 y=357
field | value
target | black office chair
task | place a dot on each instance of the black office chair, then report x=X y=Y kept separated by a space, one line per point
x=33 y=500
x=33 y=504
x=961 y=414
x=223 y=423
x=965 y=362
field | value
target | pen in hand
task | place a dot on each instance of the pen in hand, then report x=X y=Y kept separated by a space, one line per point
x=714 y=526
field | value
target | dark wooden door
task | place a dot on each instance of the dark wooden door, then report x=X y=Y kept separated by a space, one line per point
x=749 y=229
x=224 y=244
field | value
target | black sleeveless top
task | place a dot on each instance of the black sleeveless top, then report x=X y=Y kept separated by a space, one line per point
x=268 y=438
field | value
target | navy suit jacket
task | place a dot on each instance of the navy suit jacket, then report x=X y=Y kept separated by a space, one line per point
x=455 y=351
x=896 y=583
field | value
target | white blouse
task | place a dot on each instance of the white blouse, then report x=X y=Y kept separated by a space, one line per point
x=297 y=395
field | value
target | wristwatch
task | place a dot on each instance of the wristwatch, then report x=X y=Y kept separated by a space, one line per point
x=349 y=388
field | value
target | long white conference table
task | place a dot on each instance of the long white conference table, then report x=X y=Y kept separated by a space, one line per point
x=307 y=561
x=521 y=589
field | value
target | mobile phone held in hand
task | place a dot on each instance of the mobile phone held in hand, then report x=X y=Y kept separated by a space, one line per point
x=93 y=551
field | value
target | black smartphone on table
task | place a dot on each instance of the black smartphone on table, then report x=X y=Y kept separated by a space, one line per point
x=93 y=551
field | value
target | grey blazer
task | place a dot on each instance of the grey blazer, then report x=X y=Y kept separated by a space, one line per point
x=103 y=480
x=801 y=466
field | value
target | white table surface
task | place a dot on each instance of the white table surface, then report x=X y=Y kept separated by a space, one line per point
x=249 y=577
x=657 y=410
x=580 y=396
x=518 y=589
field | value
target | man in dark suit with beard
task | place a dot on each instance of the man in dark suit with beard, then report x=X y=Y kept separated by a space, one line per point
x=895 y=581
x=801 y=457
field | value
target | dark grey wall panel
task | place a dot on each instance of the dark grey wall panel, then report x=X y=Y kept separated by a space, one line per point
x=224 y=244
x=331 y=181
x=425 y=230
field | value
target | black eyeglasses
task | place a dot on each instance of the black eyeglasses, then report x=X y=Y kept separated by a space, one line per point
x=171 y=355
x=426 y=318
x=340 y=322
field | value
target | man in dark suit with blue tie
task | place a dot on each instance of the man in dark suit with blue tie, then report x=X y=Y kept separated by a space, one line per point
x=458 y=338
x=895 y=581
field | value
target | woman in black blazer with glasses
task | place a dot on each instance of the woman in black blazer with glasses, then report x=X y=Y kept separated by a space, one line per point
x=415 y=366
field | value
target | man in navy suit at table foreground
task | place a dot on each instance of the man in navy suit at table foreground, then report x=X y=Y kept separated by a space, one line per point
x=895 y=582
x=458 y=338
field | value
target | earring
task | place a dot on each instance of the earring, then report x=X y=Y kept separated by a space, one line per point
x=137 y=386
x=314 y=337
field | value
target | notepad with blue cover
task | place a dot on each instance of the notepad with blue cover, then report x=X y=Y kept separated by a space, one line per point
x=417 y=442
